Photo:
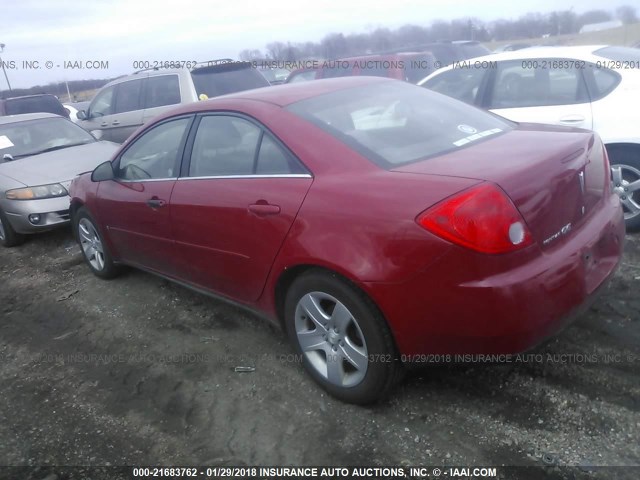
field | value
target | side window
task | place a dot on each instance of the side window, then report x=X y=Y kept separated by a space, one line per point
x=224 y=145
x=516 y=86
x=103 y=103
x=604 y=82
x=128 y=96
x=154 y=155
x=273 y=160
x=460 y=83
x=162 y=90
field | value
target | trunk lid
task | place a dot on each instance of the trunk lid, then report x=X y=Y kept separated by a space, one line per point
x=555 y=176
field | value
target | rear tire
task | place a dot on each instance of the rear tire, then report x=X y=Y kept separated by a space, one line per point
x=628 y=159
x=8 y=236
x=94 y=249
x=344 y=340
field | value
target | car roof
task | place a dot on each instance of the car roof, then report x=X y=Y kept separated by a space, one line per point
x=23 y=117
x=580 y=52
x=577 y=52
x=283 y=95
x=35 y=95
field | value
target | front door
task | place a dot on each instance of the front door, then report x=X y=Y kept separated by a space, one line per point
x=135 y=207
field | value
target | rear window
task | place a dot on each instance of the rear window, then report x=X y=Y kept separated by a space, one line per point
x=619 y=54
x=226 y=78
x=394 y=123
x=45 y=103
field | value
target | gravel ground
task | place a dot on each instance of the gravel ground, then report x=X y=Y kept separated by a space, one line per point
x=139 y=371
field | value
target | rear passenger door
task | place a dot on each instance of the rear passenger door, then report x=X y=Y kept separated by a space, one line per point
x=239 y=192
x=161 y=93
x=127 y=112
x=542 y=90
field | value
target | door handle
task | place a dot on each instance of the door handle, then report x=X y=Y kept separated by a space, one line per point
x=115 y=122
x=103 y=124
x=571 y=119
x=264 y=209
x=155 y=202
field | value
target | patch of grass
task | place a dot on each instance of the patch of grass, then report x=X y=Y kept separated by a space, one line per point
x=625 y=35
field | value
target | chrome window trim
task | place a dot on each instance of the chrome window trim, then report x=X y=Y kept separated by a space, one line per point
x=282 y=175
x=122 y=180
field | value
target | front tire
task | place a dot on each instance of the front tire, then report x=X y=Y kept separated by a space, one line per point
x=8 y=236
x=94 y=249
x=626 y=182
x=343 y=338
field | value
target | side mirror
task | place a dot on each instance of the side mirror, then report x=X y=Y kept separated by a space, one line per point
x=103 y=172
x=82 y=115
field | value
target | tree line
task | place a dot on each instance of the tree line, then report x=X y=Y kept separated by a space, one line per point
x=58 y=89
x=531 y=25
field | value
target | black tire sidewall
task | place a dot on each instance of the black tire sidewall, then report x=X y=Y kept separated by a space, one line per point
x=380 y=373
x=11 y=237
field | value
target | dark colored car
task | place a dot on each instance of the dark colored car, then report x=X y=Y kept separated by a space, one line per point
x=375 y=220
x=43 y=103
x=447 y=52
x=408 y=66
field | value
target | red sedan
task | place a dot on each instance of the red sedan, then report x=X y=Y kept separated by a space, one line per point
x=375 y=220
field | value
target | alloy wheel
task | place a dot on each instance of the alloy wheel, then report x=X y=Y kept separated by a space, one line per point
x=2 y=232
x=91 y=244
x=331 y=339
x=626 y=181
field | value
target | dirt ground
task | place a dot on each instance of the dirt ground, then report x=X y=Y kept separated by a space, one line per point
x=139 y=371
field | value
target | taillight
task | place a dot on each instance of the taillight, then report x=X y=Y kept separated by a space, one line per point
x=482 y=218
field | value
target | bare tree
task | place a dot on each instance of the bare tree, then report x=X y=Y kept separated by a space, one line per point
x=276 y=51
x=248 y=55
x=594 y=16
x=627 y=14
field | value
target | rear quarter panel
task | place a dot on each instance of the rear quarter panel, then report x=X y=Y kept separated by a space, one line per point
x=613 y=117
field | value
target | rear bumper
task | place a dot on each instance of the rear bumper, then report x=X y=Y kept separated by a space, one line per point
x=478 y=304
x=54 y=212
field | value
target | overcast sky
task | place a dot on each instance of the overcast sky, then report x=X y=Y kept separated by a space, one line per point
x=123 y=31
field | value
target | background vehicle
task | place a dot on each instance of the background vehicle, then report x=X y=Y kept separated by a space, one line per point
x=512 y=47
x=41 y=153
x=590 y=87
x=275 y=76
x=455 y=253
x=448 y=52
x=121 y=106
x=407 y=66
x=32 y=104
x=74 y=108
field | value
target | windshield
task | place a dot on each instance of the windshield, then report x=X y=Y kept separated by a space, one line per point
x=394 y=123
x=227 y=78
x=275 y=74
x=20 y=139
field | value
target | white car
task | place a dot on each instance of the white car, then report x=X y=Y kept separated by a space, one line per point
x=593 y=87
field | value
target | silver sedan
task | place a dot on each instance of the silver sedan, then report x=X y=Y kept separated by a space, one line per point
x=40 y=153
